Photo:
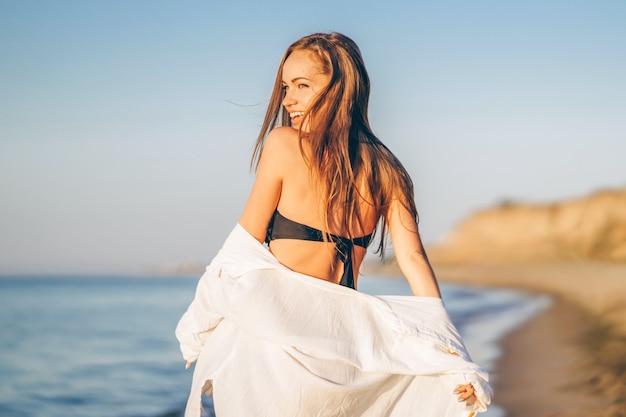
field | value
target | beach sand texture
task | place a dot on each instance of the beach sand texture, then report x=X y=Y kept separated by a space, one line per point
x=571 y=359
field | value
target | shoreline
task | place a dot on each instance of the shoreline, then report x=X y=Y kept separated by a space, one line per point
x=539 y=372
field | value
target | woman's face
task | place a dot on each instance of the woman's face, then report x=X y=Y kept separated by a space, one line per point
x=303 y=80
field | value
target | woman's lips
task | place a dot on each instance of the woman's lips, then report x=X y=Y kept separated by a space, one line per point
x=296 y=117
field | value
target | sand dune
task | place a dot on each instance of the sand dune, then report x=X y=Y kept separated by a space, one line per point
x=591 y=228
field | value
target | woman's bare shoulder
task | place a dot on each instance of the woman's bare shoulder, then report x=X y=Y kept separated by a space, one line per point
x=282 y=140
x=282 y=133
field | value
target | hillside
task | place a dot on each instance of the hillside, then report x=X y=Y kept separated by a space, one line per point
x=591 y=228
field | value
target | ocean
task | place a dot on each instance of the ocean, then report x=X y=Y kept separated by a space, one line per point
x=105 y=346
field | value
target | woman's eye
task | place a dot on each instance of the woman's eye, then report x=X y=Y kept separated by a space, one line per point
x=285 y=88
x=302 y=86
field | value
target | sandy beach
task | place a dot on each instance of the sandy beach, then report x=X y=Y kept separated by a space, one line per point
x=569 y=360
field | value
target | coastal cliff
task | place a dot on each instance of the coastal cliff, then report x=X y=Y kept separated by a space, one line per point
x=591 y=228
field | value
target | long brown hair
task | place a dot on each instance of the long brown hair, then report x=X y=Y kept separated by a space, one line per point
x=344 y=148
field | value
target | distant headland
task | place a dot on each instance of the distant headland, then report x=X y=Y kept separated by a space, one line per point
x=590 y=228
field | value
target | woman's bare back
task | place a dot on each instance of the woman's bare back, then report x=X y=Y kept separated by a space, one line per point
x=300 y=201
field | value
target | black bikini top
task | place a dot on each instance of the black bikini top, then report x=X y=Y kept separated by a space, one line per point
x=281 y=227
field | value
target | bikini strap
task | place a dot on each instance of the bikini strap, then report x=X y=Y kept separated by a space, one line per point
x=289 y=229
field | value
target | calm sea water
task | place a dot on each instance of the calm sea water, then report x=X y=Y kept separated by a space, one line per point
x=105 y=346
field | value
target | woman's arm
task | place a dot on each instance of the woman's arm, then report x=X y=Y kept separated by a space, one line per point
x=267 y=186
x=414 y=264
x=410 y=253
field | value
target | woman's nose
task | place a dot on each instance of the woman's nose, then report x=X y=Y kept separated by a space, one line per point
x=288 y=100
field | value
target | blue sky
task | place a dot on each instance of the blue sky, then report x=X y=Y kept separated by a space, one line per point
x=126 y=127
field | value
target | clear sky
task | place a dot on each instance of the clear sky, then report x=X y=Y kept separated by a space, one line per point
x=126 y=127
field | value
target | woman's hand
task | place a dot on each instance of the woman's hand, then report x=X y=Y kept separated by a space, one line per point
x=187 y=365
x=466 y=394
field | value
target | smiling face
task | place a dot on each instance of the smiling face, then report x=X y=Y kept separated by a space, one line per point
x=303 y=79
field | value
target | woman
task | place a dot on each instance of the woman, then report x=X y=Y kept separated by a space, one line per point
x=276 y=318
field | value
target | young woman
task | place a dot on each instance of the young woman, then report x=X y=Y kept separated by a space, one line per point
x=273 y=317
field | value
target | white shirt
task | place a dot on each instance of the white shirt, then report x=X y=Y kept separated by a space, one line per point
x=273 y=342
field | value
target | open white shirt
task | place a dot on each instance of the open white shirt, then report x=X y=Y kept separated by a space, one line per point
x=273 y=342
